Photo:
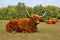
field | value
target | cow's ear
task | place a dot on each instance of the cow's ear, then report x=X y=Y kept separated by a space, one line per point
x=30 y=17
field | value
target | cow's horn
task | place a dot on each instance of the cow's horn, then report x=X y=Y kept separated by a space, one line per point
x=43 y=14
x=28 y=13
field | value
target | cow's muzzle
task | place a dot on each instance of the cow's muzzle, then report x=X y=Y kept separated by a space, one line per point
x=37 y=22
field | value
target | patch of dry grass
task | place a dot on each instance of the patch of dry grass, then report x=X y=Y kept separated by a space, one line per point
x=45 y=32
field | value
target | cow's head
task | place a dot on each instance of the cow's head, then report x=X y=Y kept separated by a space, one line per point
x=35 y=18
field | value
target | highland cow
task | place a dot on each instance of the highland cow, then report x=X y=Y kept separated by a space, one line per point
x=24 y=24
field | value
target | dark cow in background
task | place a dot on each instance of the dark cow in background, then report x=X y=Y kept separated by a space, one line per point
x=52 y=21
x=24 y=24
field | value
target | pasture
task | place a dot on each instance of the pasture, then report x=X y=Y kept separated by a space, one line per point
x=45 y=32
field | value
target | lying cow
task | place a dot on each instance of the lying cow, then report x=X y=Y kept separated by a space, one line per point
x=24 y=25
x=51 y=21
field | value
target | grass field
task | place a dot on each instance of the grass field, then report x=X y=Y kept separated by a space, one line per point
x=45 y=32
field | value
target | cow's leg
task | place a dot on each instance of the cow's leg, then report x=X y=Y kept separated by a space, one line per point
x=35 y=29
x=28 y=30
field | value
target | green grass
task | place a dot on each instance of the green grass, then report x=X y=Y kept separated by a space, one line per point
x=45 y=32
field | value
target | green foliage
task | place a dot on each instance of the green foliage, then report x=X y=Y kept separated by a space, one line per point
x=19 y=11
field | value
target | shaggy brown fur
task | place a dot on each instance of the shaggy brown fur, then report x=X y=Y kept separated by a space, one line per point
x=48 y=22
x=25 y=24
